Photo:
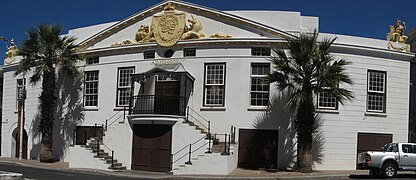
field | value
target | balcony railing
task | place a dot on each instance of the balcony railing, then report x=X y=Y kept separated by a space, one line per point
x=157 y=104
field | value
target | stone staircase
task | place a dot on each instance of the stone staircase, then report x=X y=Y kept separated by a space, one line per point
x=200 y=159
x=96 y=146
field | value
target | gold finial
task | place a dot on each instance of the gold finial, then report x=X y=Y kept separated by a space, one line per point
x=396 y=33
x=169 y=7
x=11 y=50
x=396 y=38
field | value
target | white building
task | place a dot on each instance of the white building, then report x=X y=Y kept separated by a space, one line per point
x=192 y=64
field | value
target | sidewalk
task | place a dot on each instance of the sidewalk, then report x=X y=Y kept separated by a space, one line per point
x=236 y=174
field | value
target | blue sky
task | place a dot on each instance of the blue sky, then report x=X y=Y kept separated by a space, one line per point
x=365 y=18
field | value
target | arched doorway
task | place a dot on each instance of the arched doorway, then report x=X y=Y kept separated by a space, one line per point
x=16 y=146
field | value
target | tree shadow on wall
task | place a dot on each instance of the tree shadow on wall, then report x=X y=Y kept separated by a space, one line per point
x=68 y=114
x=278 y=117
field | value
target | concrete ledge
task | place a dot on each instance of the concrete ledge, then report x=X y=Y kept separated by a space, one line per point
x=10 y=175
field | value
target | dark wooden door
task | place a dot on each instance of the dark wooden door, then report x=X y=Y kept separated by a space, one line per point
x=151 y=149
x=257 y=148
x=372 y=141
x=83 y=133
x=167 y=88
x=167 y=97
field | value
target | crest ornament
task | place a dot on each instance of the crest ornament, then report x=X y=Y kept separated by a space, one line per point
x=169 y=26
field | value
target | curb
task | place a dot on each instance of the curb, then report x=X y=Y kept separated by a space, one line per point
x=10 y=175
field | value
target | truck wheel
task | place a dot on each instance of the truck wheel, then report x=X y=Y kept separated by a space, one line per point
x=389 y=170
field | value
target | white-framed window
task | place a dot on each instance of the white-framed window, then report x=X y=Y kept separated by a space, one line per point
x=124 y=85
x=149 y=54
x=92 y=60
x=376 y=91
x=259 y=89
x=214 y=86
x=91 y=88
x=189 y=52
x=327 y=101
x=20 y=86
x=260 y=51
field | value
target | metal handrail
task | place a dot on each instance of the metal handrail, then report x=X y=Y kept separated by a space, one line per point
x=122 y=115
x=189 y=153
x=198 y=114
x=112 y=154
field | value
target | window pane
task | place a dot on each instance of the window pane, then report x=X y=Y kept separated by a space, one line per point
x=123 y=97
x=214 y=84
x=124 y=85
x=189 y=52
x=375 y=102
x=92 y=60
x=376 y=92
x=376 y=81
x=215 y=74
x=259 y=88
x=91 y=88
x=149 y=55
x=260 y=51
x=124 y=76
x=327 y=101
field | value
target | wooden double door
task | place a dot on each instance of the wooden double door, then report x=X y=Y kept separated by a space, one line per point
x=151 y=149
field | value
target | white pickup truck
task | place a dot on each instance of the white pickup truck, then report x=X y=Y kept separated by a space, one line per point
x=391 y=158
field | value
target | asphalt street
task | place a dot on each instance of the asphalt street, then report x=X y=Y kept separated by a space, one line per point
x=398 y=177
x=53 y=174
x=30 y=172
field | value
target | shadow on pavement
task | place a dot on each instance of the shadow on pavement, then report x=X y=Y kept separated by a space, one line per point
x=399 y=176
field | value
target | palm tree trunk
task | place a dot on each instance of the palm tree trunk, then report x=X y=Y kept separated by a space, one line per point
x=47 y=103
x=305 y=120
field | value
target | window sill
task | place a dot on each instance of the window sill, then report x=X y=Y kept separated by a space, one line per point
x=259 y=108
x=212 y=109
x=328 y=111
x=91 y=108
x=375 y=114
x=120 y=109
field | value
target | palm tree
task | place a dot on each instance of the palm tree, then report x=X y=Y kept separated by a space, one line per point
x=45 y=51
x=306 y=69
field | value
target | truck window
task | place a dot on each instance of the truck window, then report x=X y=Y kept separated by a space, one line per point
x=407 y=148
x=391 y=148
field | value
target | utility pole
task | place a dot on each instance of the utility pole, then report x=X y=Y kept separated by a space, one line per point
x=21 y=117
x=22 y=128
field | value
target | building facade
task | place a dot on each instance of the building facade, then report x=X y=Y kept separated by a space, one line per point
x=157 y=82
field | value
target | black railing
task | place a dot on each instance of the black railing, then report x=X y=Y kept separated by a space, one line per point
x=158 y=104
x=191 y=149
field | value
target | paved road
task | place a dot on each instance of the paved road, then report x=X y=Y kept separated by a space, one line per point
x=52 y=174
x=406 y=176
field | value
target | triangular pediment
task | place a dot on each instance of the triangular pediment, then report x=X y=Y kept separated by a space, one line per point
x=171 y=21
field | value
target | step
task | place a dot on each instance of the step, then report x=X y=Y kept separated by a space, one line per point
x=119 y=168
x=117 y=164
x=108 y=161
x=95 y=150
x=107 y=157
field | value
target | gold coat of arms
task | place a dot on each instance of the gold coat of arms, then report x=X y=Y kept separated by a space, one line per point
x=168 y=27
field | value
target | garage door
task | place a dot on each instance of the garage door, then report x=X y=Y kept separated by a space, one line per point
x=257 y=148
x=151 y=147
x=372 y=141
